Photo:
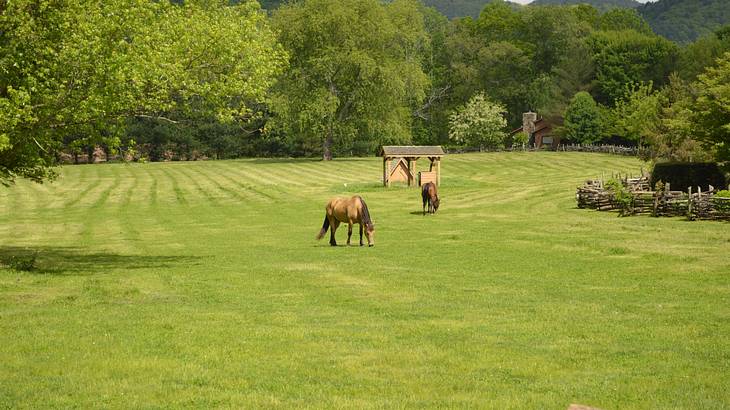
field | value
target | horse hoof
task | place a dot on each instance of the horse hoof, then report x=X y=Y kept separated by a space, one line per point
x=370 y=246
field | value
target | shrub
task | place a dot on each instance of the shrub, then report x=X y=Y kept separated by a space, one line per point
x=681 y=175
x=621 y=196
x=24 y=263
x=722 y=205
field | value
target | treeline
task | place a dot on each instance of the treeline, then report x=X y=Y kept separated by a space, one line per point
x=200 y=79
x=685 y=21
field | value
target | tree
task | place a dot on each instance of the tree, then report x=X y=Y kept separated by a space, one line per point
x=628 y=57
x=619 y=19
x=74 y=68
x=672 y=137
x=583 y=122
x=711 y=118
x=636 y=114
x=704 y=52
x=355 y=74
x=480 y=123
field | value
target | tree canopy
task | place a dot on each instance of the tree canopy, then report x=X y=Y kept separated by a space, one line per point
x=79 y=68
x=355 y=75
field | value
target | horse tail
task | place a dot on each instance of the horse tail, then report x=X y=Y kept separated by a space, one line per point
x=365 y=213
x=325 y=226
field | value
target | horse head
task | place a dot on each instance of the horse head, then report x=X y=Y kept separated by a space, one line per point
x=370 y=233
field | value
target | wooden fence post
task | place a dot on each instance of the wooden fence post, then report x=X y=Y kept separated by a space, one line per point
x=689 y=203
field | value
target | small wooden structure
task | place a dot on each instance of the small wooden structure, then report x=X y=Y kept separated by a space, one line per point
x=399 y=163
x=539 y=130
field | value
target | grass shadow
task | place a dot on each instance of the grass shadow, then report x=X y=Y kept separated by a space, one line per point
x=77 y=261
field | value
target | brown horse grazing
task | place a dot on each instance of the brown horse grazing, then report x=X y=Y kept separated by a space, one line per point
x=349 y=210
x=430 y=196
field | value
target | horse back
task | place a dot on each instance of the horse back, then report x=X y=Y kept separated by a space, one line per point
x=429 y=190
x=344 y=209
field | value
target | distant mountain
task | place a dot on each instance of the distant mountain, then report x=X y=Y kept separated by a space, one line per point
x=601 y=5
x=684 y=21
x=457 y=8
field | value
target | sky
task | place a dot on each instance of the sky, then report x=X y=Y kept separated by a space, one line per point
x=529 y=1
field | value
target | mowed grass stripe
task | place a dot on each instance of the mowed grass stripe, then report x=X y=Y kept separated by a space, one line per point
x=199 y=191
x=91 y=186
x=283 y=179
x=179 y=195
x=264 y=193
x=232 y=193
x=264 y=173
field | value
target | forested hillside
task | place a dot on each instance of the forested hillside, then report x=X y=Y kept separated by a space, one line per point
x=449 y=8
x=684 y=21
x=457 y=8
x=601 y=5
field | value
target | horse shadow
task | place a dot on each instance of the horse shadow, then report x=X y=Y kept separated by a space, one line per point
x=60 y=260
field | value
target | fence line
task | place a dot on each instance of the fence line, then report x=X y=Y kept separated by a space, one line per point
x=637 y=199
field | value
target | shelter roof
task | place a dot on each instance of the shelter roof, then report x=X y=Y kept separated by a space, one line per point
x=412 y=151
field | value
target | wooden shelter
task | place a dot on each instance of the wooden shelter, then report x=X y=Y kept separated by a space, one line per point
x=539 y=130
x=399 y=163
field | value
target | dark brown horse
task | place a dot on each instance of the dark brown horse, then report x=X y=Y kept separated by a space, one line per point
x=350 y=211
x=430 y=196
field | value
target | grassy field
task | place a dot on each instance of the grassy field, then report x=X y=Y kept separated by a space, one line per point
x=200 y=284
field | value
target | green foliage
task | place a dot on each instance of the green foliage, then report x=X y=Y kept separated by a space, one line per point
x=459 y=8
x=620 y=19
x=521 y=138
x=629 y=57
x=602 y=5
x=23 y=262
x=723 y=193
x=684 y=21
x=671 y=136
x=480 y=123
x=583 y=122
x=621 y=196
x=637 y=113
x=681 y=175
x=80 y=68
x=704 y=52
x=355 y=74
x=711 y=111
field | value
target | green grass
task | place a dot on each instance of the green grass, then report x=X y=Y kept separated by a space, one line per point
x=200 y=284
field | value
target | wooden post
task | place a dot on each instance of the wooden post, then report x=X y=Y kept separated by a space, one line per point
x=413 y=169
x=386 y=172
x=438 y=172
x=689 y=203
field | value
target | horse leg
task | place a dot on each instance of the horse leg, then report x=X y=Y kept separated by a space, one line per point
x=349 y=233
x=333 y=227
x=361 y=244
x=425 y=201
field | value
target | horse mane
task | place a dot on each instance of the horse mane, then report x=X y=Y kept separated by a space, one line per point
x=365 y=213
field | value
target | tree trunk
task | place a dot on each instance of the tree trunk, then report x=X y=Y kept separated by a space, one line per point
x=327 y=147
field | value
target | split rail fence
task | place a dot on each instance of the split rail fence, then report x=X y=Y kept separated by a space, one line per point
x=635 y=197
